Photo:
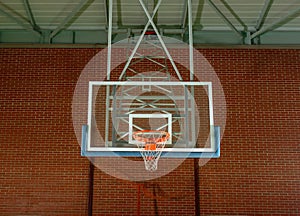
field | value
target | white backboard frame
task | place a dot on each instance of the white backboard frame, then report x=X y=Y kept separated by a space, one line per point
x=89 y=148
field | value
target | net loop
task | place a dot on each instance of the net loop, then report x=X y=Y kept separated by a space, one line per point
x=151 y=143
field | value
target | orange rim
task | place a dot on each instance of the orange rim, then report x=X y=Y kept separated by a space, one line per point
x=164 y=138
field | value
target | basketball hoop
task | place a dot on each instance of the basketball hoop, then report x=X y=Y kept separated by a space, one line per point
x=151 y=143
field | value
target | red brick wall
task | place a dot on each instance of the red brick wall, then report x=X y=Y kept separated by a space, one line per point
x=42 y=172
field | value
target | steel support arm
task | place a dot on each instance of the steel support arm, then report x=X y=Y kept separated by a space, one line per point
x=61 y=26
x=139 y=41
x=264 y=13
x=31 y=17
x=7 y=11
x=226 y=20
x=160 y=38
x=277 y=23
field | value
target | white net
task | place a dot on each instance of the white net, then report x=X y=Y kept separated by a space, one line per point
x=151 y=144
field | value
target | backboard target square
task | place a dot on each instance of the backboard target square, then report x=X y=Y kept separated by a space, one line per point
x=156 y=121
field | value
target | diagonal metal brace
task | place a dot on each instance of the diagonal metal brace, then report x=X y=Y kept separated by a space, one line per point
x=160 y=39
x=25 y=23
x=139 y=41
x=226 y=20
x=150 y=21
x=62 y=25
x=277 y=23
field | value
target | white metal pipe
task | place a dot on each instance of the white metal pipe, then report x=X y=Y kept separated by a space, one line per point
x=109 y=39
x=191 y=41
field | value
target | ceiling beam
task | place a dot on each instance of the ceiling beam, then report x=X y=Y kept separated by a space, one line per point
x=226 y=20
x=119 y=13
x=31 y=17
x=184 y=15
x=18 y=18
x=277 y=23
x=264 y=13
x=198 y=17
x=155 y=17
x=106 y=12
x=71 y=15
x=229 y=8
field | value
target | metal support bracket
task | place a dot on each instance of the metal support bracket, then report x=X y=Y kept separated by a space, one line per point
x=62 y=25
x=18 y=19
x=277 y=23
x=226 y=20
